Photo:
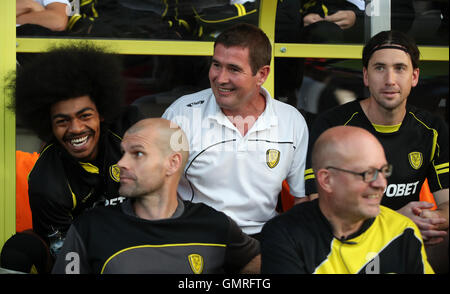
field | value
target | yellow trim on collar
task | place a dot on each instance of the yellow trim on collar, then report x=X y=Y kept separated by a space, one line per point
x=387 y=129
x=90 y=168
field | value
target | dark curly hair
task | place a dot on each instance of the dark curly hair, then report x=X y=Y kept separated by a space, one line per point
x=65 y=72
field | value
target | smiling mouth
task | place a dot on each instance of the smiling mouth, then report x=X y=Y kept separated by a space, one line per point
x=78 y=142
x=373 y=196
x=224 y=90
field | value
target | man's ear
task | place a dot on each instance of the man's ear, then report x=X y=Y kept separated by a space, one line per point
x=415 y=77
x=174 y=162
x=262 y=74
x=365 y=77
x=323 y=179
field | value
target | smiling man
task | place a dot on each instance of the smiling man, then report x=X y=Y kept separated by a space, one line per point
x=346 y=230
x=243 y=143
x=415 y=141
x=71 y=97
x=76 y=126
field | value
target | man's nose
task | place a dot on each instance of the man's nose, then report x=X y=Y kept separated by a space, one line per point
x=76 y=126
x=390 y=77
x=380 y=182
x=122 y=163
x=222 y=76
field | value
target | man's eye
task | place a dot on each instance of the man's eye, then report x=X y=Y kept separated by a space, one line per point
x=86 y=115
x=138 y=154
x=60 y=121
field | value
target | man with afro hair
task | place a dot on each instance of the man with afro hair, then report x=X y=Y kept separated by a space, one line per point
x=72 y=98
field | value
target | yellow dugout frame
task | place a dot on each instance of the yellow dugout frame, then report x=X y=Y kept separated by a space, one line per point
x=10 y=45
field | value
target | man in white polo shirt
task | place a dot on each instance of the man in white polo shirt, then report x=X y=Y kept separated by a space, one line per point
x=243 y=143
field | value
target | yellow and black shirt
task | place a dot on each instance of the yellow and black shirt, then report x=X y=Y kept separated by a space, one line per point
x=61 y=187
x=301 y=241
x=417 y=149
x=196 y=239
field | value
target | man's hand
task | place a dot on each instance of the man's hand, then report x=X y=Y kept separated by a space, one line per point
x=345 y=19
x=52 y=17
x=428 y=221
x=27 y=6
x=311 y=18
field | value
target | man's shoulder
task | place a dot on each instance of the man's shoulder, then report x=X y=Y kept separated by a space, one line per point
x=425 y=117
x=288 y=115
x=98 y=215
x=200 y=207
x=297 y=218
x=48 y=161
x=191 y=101
x=202 y=211
x=284 y=108
x=343 y=111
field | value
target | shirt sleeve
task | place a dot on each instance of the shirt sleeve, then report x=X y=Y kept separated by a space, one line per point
x=278 y=251
x=240 y=250
x=416 y=256
x=438 y=175
x=72 y=258
x=319 y=126
x=170 y=114
x=47 y=2
x=48 y=216
x=296 y=173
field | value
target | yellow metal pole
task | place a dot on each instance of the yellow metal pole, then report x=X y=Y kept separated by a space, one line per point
x=197 y=48
x=146 y=47
x=267 y=13
x=427 y=53
x=7 y=123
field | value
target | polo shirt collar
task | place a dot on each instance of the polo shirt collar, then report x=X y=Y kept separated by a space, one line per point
x=266 y=120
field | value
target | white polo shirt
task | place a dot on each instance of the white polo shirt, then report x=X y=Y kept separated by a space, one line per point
x=240 y=175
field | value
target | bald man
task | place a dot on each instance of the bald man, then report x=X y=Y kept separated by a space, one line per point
x=154 y=231
x=345 y=230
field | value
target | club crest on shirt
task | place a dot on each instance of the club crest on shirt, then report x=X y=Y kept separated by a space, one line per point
x=415 y=159
x=114 y=172
x=196 y=263
x=272 y=157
